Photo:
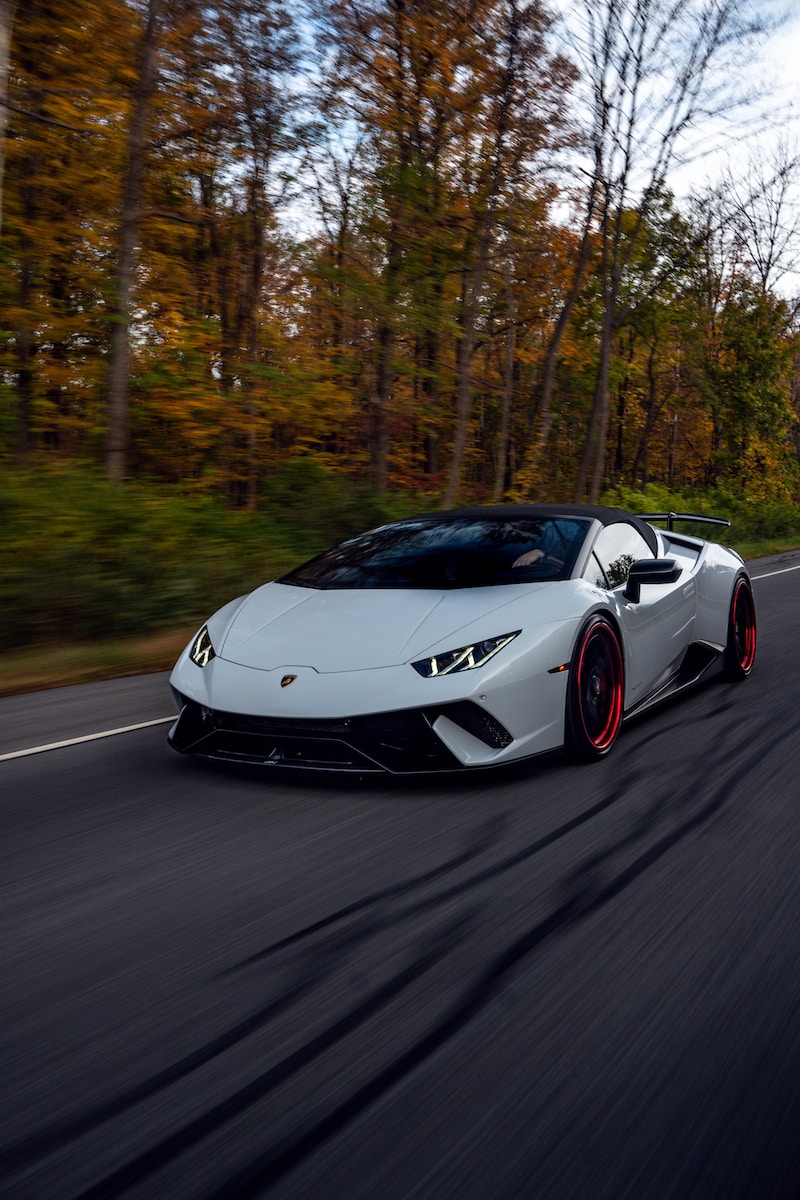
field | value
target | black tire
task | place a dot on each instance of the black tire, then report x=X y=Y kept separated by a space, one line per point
x=740 y=651
x=595 y=692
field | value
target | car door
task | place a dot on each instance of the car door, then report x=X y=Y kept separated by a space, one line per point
x=659 y=626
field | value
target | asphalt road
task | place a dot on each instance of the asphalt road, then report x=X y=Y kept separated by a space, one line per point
x=563 y=982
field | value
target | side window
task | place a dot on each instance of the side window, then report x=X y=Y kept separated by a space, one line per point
x=594 y=573
x=617 y=546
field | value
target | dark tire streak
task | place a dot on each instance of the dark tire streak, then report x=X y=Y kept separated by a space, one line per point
x=55 y=1137
x=310 y=974
x=329 y=957
x=478 y=845
x=167 y=1149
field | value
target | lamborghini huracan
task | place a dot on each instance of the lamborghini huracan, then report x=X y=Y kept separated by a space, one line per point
x=468 y=638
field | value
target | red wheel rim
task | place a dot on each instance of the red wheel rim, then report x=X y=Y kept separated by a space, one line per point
x=743 y=618
x=599 y=672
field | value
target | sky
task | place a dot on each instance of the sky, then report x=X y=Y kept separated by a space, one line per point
x=766 y=76
x=776 y=71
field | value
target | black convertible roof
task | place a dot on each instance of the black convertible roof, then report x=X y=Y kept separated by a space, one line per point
x=511 y=512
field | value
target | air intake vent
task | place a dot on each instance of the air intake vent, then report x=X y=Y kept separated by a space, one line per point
x=475 y=720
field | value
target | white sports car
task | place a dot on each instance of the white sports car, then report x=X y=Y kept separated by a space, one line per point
x=467 y=638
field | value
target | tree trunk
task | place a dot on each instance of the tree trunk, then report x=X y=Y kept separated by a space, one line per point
x=590 y=475
x=542 y=406
x=118 y=371
x=253 y=300
x=382 y=395
x=641 y=464
x=501 y=464
x=7 y=9
x=465 y=346
x=24 y=345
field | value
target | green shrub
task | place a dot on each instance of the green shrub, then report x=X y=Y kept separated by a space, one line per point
x=84 y=559
x=321 y=507
x=752 y=522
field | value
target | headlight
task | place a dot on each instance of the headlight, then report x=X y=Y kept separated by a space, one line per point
x=464 y=659
x=202 y=651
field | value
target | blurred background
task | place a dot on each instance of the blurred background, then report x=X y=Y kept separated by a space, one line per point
x=271 y=274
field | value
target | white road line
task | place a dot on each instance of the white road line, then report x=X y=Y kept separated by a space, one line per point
x=89 y=737
x=769 y=574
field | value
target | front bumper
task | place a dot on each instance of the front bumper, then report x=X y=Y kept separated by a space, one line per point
x=399 y=742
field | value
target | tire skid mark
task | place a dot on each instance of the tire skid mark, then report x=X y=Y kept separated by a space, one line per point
x=418 y=907
x=481 y=841
x=453 y=932
x=310 y=974
x=401 y=889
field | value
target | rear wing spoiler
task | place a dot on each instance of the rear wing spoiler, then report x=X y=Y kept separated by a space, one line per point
x=669 y=517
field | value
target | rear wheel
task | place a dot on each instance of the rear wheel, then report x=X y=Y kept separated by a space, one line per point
x=595 y=692
x=740 y=652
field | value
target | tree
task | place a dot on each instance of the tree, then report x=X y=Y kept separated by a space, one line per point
x=651 y=71
x=752 y=385
x=449 y=301
x=761 y=206
x=209 y=106
x=402 y=73
x=261 y=54
x=524 y=87
x=62 y=154
x=454 y=100
x=7 y=10
x=142 y=91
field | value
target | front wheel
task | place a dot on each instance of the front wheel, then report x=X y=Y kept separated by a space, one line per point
x=740 y=651
x=595 y=693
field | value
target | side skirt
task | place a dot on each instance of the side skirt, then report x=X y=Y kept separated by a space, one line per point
x=698 y=663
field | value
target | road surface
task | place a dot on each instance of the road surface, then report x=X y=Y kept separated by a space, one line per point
x=561 y=982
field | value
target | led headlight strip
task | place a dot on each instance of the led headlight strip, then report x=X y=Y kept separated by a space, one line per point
x=466 y=658
x=202 y=651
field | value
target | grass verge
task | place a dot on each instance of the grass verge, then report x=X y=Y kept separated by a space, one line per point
x=44 y=667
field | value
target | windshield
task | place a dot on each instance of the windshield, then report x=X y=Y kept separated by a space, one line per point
x=432 y=553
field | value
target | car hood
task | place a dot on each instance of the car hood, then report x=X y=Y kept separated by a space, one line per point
x=279 y=625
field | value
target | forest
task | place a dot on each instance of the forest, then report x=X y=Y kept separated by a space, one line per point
x=403 y=248
x=416 y=240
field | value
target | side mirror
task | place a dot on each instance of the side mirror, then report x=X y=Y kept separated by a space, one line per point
x=650 y=570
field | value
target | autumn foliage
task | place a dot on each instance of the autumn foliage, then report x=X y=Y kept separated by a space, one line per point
x=232 y=237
